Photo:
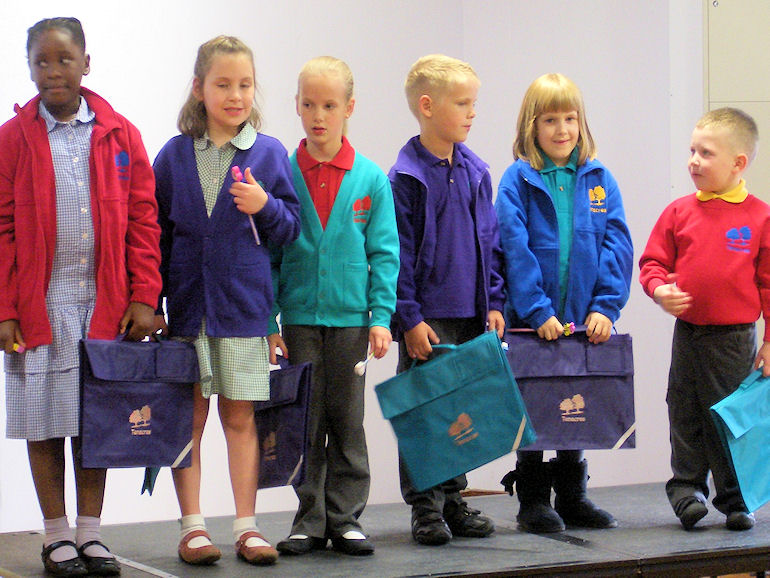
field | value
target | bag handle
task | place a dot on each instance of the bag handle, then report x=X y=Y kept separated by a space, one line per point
x=282 y=362
x=156 y=337
x=753 y=376
x=569 y=329
x=450 y=347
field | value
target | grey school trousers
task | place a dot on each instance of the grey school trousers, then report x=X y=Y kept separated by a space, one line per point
x=454 y=332
x=336 y=486
x=708 y=363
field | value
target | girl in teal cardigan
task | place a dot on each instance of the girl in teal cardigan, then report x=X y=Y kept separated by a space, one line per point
x=335 y=290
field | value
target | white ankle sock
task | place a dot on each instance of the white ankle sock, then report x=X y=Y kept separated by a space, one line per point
x=57 y=530
x=89 y=529
x=248 y=524
x=190 y=524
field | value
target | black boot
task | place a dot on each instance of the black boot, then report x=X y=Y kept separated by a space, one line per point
x=533 y=486
x=572 y=504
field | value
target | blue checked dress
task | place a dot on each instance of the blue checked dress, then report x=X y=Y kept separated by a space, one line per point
x=235 y=367
x=42 y=385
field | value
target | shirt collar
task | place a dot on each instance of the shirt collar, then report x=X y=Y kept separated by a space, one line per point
x=550 y=166
x=84 y=115
x=735 y=195
x=432 y=160
x=244 y=140
x=343 y=160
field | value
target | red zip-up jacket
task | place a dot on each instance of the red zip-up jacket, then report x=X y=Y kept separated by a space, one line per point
x=124 y=212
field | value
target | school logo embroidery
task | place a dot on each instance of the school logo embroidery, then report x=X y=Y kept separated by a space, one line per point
x=121 y=163
x=462 y=430
x=739 y=239
x=361 y=209
x=597 y=196
x=140 y=421
x=572 y=408
x=268 y=448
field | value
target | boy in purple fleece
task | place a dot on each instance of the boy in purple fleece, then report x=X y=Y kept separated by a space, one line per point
x=448 y=231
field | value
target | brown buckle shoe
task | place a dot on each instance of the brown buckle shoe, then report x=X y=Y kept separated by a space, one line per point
x=258 y=555
x=202 y=556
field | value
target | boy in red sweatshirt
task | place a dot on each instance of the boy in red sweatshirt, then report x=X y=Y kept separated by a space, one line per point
x=707 y=262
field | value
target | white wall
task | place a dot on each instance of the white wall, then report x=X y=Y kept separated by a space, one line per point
x=638 y=64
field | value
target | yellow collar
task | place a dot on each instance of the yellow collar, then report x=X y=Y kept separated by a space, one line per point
x=737 y=194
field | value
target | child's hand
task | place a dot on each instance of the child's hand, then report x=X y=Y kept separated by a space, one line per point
x=379 y=341
x=159 y=325
x=418 y=341
x=275 y=341
x=598 y=327
x=141 y=318
x=672 y=299
x=496 y=322
x=248 y=195
x=10 y=333
x=763 y=359
x=551 y=329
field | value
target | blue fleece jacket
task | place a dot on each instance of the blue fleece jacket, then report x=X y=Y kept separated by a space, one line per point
x=416 y=216
x=602 y=253
x=212 y=267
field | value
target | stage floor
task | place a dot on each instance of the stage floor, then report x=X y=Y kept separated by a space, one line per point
x=649 y=541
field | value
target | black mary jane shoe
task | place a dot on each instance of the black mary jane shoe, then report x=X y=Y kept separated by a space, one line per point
x=352 y=547
x=299 y=546
x=72 y=567
x=96 y=565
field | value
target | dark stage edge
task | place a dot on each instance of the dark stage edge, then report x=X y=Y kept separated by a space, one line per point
x=649 y=541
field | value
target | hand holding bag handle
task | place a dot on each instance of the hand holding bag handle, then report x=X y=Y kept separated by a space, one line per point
x=451 y=347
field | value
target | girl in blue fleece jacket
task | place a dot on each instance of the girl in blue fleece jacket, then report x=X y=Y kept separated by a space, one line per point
x=568 y=258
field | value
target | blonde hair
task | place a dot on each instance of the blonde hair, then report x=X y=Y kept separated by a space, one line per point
x=744 y=134
x=326 y=66
x=432 y=75
x=192 y=119
x=552 y=92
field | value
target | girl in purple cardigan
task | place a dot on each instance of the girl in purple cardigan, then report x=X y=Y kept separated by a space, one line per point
x=215 y=234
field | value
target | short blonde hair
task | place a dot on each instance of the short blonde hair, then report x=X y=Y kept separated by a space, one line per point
x=552 y=92
x=742 y=129
x=325 y=66
x=433 y=75
x=192 y=119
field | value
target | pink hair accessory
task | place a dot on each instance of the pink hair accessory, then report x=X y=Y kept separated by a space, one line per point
x=569 y=328
x=238 y=177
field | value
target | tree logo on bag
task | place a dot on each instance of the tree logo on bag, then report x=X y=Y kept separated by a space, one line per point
x=268 y=448
x=462 y=430
x=140 y=421
x=572 y=408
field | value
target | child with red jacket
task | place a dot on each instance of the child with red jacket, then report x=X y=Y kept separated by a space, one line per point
x=79 y=257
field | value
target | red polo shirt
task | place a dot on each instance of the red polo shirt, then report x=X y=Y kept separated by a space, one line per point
x=323 y=179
